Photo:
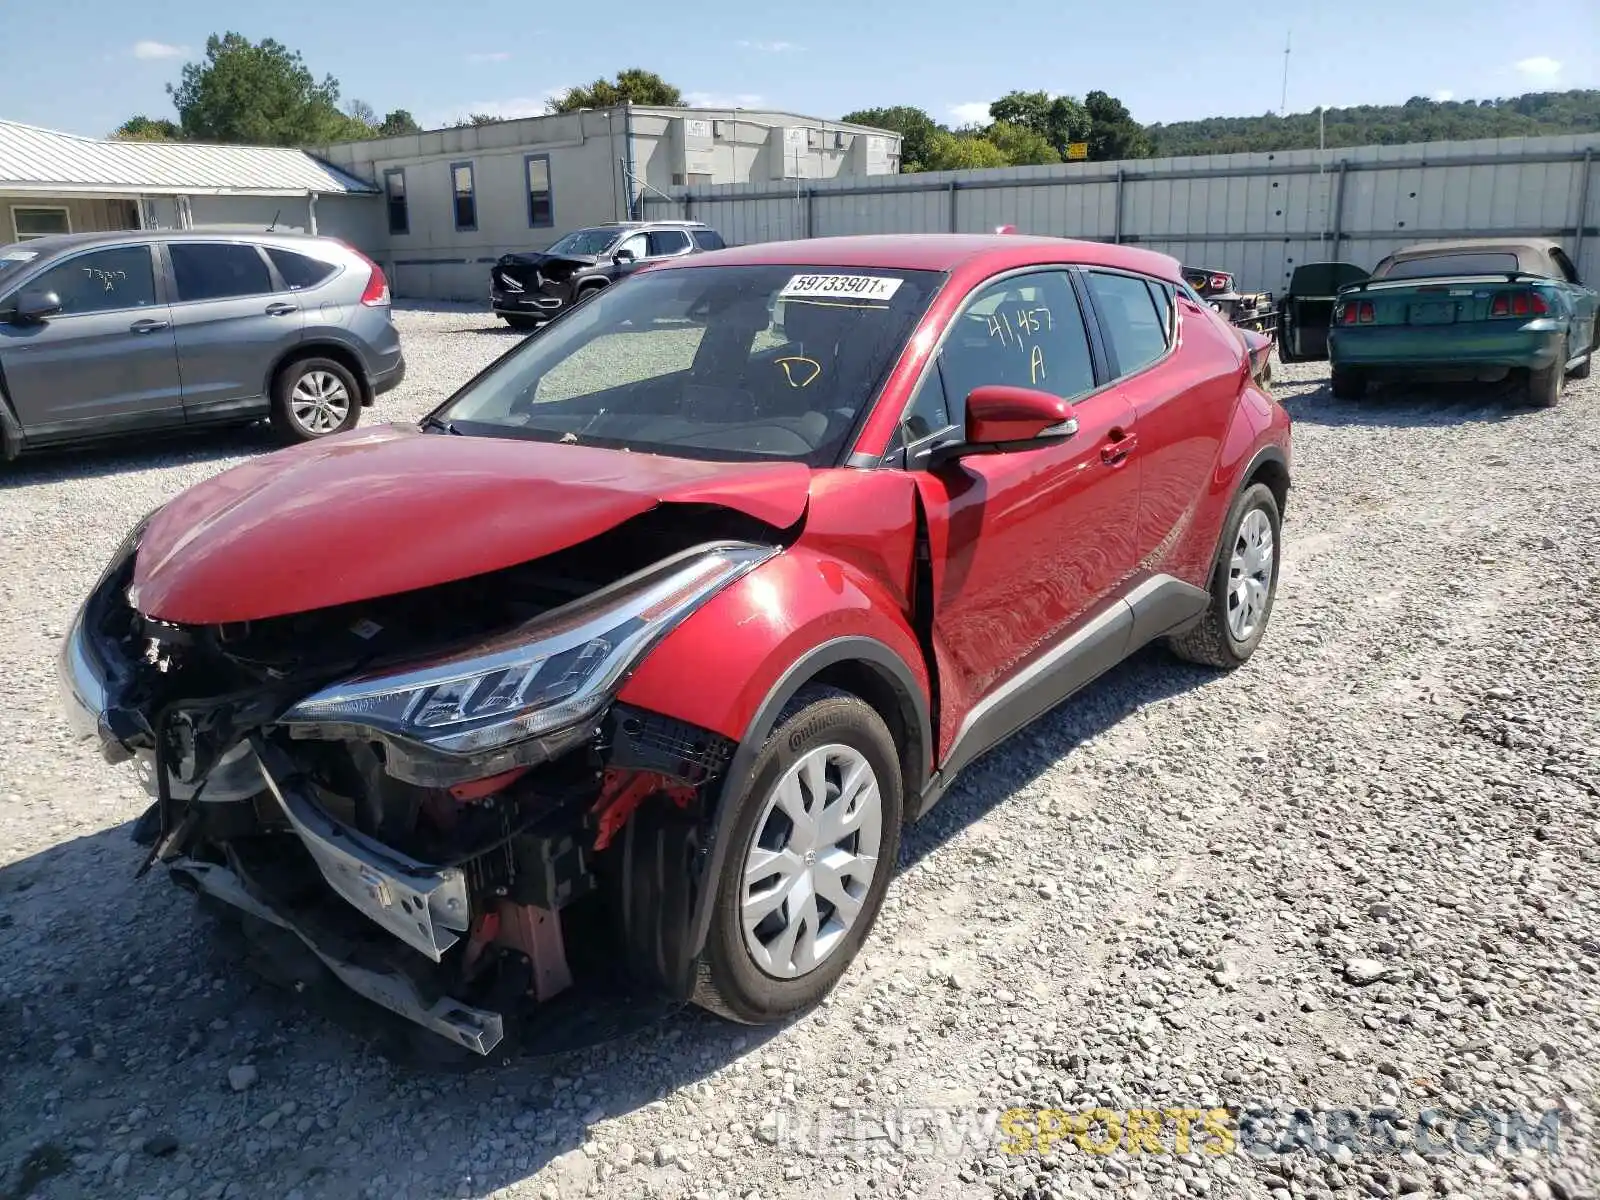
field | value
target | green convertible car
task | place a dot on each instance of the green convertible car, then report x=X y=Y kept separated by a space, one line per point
x=1468 y=310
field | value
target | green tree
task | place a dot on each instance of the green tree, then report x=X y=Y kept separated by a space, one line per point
x=915 y=127
x=1059 y=120
x=963 y=151
x=1113 y=133
x=360 y=110
x=1021 y=147
x=147 y=129
x=632 y=86
x=259 y=93
x=397 y=123
x=474 y=119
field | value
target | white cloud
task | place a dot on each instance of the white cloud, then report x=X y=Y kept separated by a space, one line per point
x=769 y=47
x=975 y=113
x=1444 y=94
x=489 y=56
x=1540 y=68
x=149 y=49
x=508 y=109
x=722 y=100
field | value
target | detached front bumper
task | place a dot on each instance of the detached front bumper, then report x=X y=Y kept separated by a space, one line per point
x=478 y=1029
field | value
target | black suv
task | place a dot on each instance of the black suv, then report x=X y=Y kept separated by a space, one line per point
x=529 y=289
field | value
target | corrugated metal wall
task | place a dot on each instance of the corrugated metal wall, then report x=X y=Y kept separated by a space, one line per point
x=1258 y=215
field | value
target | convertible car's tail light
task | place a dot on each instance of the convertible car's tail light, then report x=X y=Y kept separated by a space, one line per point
x=1220 y=283
x=1518 y=304
x=1347 y=314
x=1367 y=315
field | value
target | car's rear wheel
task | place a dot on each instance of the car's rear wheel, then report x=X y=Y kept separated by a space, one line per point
x=1348 y=384
x=1544 y=387
x=1583 y=369
x=1243 y=585
x=314 y=397
x=809 y=857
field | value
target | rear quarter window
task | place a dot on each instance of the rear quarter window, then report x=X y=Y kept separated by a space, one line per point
x=299 y=270
x=709 y=239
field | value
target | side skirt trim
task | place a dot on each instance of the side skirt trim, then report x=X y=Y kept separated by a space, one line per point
x=1159 y=605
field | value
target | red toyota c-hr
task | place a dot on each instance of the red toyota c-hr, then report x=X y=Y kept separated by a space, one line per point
x=656 y=633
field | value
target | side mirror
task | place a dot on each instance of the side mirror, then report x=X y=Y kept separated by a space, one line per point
x=1004 y=418
x=622 y=257
x=34 y=307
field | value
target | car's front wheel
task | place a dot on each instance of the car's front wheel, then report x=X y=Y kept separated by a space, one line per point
x=313 y=398
x=1243 y=585
x=810 y=854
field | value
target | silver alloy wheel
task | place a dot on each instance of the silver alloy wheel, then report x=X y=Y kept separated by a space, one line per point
x=1250 y=575
x=320 y=402
x=812 y=862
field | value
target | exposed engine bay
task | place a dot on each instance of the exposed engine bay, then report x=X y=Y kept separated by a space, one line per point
x=427 y=788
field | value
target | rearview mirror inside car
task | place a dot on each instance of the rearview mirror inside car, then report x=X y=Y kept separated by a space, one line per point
x=33 y=307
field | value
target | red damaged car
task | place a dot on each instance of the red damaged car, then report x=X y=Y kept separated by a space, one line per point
x=655 y=635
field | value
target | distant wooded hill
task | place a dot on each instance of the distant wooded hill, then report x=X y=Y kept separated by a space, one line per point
x=1536 y=114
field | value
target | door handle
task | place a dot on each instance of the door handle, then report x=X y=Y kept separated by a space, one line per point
x=281 y=309
x=148 y=326
x=1117 y=449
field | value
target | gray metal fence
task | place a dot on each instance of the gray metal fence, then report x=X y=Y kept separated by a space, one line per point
x=1257 y=215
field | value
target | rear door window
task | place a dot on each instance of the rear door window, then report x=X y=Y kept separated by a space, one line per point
x=101 y=281
x=1130 y=318
x=218 y=270
x=666 y=242
x=299 y=270
x=708 y=239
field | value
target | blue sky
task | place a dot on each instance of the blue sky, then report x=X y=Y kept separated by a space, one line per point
x=86 y=65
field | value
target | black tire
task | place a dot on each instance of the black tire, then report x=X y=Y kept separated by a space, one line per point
x=1348 y=384
x=523 y=324
x=728 y=980
x=587 y=292
x=1582 y=371
x=1544 y=387
x=1210 y=642
x=286 y=425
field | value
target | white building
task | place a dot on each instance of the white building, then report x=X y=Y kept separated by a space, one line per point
x=54 y=182
x=457 y=199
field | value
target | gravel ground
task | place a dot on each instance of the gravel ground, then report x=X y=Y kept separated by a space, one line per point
x=1359 y=874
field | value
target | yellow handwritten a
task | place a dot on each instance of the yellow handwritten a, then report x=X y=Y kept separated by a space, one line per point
x=1036 y=364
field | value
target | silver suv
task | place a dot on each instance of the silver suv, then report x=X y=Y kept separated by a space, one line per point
x=103 y=334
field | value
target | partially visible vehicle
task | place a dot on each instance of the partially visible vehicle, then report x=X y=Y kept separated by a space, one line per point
x=104 y=334
x=1467 y=310
x=1306 y=311
x=650 y=641
x=528 y=289
x=1248 y=310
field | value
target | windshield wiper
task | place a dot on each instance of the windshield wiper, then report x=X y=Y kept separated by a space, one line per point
x=445 y=426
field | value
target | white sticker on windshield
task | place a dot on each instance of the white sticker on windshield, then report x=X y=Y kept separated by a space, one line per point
x=871 y=289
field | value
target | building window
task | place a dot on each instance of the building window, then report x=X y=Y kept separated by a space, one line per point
x=394 y=186
x=466 y=201
x=30 y=223
x=541 y=197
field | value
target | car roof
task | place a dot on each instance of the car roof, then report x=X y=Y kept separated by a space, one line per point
x=53 y=242
x=936 y=252
x=1511 y=245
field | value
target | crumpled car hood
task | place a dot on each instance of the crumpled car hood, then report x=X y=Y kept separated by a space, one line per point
x=389 y=509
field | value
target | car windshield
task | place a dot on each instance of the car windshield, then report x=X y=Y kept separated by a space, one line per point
x=1438 y=265
x=728 y=363
x=585 y=241
x=13 y=258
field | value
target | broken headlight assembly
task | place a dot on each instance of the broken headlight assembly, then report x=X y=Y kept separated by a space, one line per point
x=526 y=695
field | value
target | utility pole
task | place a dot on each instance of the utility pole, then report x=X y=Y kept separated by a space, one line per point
x=1283 y=101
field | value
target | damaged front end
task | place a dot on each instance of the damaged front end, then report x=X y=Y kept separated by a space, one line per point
x=424 y=789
